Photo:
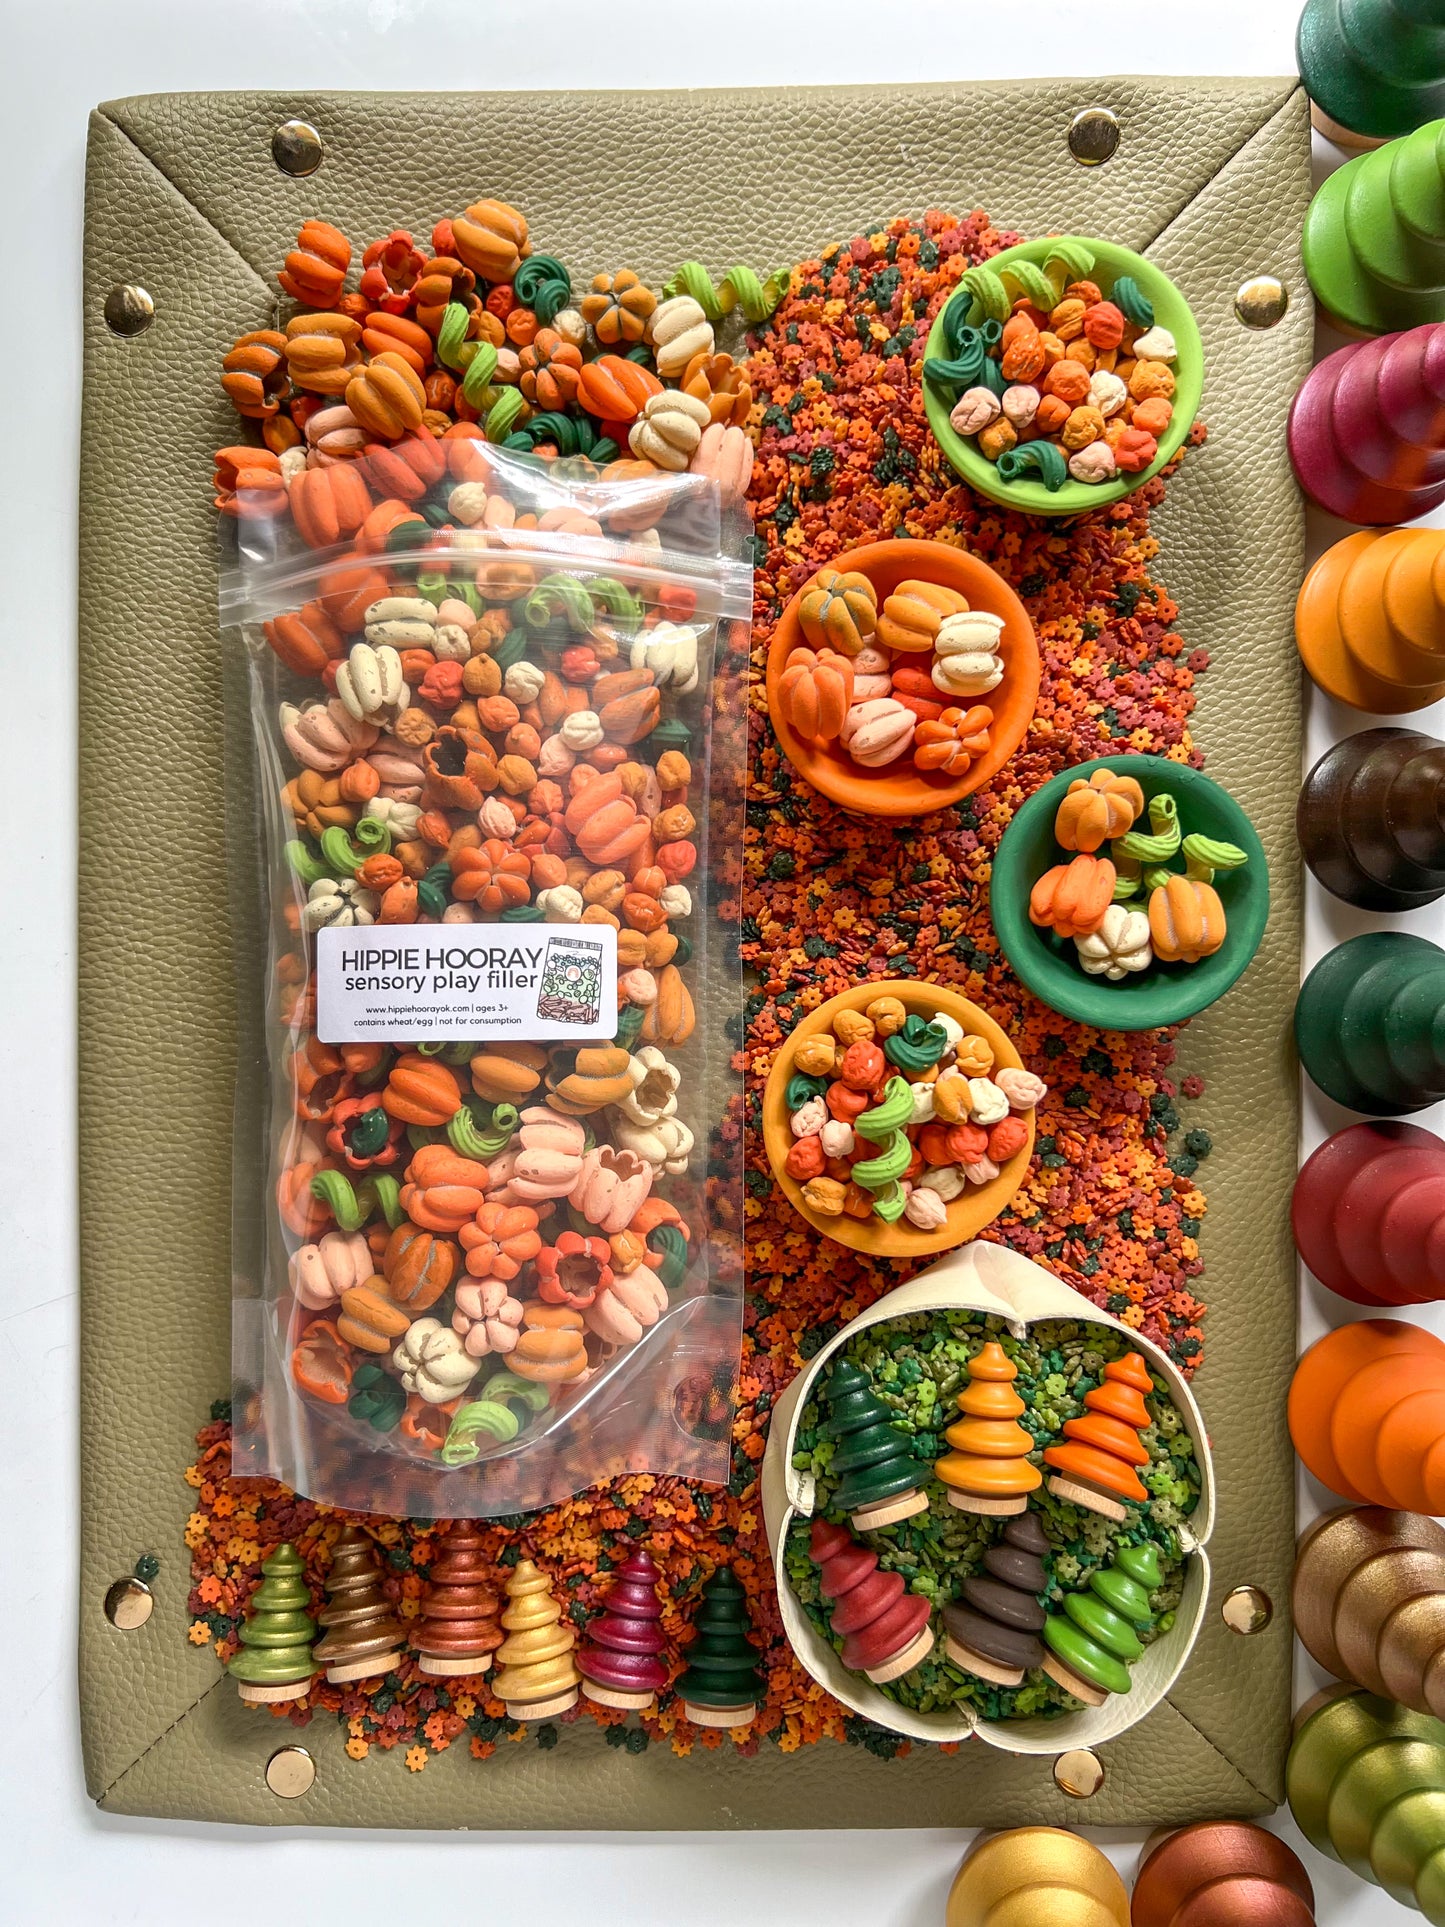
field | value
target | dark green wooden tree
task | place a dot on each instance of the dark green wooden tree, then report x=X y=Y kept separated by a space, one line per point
x=880 y=1481
x=722 y=1683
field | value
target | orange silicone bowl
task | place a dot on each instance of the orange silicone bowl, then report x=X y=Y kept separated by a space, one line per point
x=979 y=1205
x=898 y=789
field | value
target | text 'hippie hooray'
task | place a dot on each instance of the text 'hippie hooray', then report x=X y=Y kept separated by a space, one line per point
x=451 y=967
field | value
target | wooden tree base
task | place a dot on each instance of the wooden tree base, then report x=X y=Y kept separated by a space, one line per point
x=718 y=1715
x=615 y=1696
x=888 y=1512
x=1076 y=1491
x=542 y=1709
x=1343 y=136
x=1071 y=1683
x=988 y=1508
x=290 y=1689
x=990 y=1669
x=362 y=1668
x=454 y=1666
x=912 y=1655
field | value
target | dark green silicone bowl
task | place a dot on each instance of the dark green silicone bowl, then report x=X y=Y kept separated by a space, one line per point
x=1164 y=993
x=1171 y=311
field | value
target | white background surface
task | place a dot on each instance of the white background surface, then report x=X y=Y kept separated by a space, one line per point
x=63 y=1862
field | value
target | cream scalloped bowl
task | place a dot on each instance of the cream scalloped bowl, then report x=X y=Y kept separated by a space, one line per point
x=994 y=1280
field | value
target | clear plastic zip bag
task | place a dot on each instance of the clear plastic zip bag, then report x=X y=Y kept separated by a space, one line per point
x=488 y=1198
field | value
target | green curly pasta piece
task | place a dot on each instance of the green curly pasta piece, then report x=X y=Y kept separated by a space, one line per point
x=1034 y=458
x=890 y=1203
x=916 y=1045
x=307 y=867
x=573 y=434
x=471 y=1138
x=891 y=1115
x=543 y=284
x=971 y=362
x=481 y=366
x=339 y=853
x=739 y=288
x=1203 y=855
x=1028 y=279
x=613 y=598
x=990 y=296
x=483 y=1418
x=1068 y=260
x=875 y=1174
x=558 y=596
x=351 y=1205
x=1164 y=841
x=1129 y=877
x=1132 y=302
x=451 y=335
x=504 y=414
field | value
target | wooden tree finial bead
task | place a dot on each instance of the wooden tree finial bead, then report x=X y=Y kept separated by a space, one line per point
x=1032 y=1875
x=988 y=1469
x=1222 y=1873
x=1371 y=819
x=458 y=1630
x=1370 y=619
x=1370 y=1023
x=1367 y=1414
x=1369 y=1214
x=1374 y=236
x=1374 y=69
x=1095 y=1464
x=1369 y=1603
x=1366 y=1784
x=1367 y=429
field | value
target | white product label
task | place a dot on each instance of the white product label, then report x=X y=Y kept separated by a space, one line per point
x=440 y=983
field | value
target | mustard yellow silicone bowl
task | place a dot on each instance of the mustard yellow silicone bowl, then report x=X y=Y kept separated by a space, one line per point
x=978 y=1206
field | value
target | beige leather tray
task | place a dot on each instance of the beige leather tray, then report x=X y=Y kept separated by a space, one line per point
x=1211 y=179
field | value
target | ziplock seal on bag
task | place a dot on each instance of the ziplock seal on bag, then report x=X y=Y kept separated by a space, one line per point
x=487 y=1185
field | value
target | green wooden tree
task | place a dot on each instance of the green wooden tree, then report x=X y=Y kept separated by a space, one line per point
x=275 y=1661
x=722 y=1683
x=880 y=1479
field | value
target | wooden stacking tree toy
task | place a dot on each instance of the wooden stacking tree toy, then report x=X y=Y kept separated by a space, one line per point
x=1369 y=1214
x=884 y=1627
x=620 y=1658
x=458 y=1630
x=1037 y=1877
x=1367 y=1414
x=1367 y=428
x=1222 y=1873
x=1095 y=1640
x=722 y=1682
x=275 y=1662
x=988 y=1470
x=1369 y=1603
x=994 y=1632
x=1366 y=1784
x=1095 y=1464
x=1371 y=819
x=1370 y=619
x=1373 y=69
x=881 y=1481
x=1370 y=1023
x=1374 y=236
x=535 y=1676
x=363 y=1636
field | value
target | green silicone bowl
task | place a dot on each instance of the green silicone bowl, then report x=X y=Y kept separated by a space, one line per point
x=1171 y=311
x=1164 y=993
